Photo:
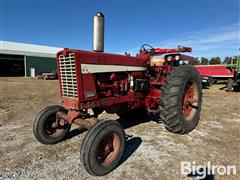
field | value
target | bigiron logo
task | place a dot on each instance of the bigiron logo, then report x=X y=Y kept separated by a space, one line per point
x=200 y=171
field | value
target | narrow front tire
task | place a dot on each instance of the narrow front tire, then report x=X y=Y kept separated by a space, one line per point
x=103 y=147
x=43 y=126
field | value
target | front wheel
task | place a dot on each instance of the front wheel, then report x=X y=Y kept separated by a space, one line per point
x=181 y=99
x=43 y=127
x=103 y=147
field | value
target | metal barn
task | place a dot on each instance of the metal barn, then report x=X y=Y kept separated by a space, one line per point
x=20 y=59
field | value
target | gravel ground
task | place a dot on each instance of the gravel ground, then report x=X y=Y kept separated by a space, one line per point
x=151 y=153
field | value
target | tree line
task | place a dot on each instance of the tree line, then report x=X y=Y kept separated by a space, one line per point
x=213 y=60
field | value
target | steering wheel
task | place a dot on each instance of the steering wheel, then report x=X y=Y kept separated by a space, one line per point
x=147 y=48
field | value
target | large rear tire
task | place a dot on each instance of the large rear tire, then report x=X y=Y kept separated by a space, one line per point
x=230 y=84
x=43 y=129
x=103 y=147
x=181 y=99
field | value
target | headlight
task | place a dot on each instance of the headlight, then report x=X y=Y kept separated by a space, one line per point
x=169 y=58
x=183 y=62
x=177 y=57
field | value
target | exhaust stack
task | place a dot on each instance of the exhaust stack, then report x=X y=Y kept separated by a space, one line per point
x=98 y=32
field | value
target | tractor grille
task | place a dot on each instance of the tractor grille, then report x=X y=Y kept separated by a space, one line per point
x=68 y=75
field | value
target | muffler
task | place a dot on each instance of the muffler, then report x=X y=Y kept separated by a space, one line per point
x=98 y=32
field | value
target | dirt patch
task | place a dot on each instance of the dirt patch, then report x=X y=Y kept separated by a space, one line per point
x=152 y=153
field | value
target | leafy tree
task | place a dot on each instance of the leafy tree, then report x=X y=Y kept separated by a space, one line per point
x=195 y=61
x=235 y=60
x=227 y=60
x=215 y=60
x=204 y=61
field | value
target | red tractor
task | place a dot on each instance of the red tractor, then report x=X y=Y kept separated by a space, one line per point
x=93 y=82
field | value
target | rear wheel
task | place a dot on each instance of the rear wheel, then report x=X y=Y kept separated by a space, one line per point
x=102 y=148
x=44 y=128
x=230 y=84
x=181 y=99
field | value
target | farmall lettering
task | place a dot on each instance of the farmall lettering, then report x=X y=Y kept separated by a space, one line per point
x=155 y=81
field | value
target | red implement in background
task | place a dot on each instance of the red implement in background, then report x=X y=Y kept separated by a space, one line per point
x=215 y=71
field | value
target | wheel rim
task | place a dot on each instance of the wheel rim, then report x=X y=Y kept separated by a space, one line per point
x=190 y=100
x=49 y=128
x=108 y=149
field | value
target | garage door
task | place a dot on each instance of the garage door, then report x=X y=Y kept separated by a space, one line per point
x=11 y=65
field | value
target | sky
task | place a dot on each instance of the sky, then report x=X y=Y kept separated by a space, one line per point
x=210 y=27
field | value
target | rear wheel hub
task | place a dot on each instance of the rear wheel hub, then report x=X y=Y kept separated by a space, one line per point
x=190 y=100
